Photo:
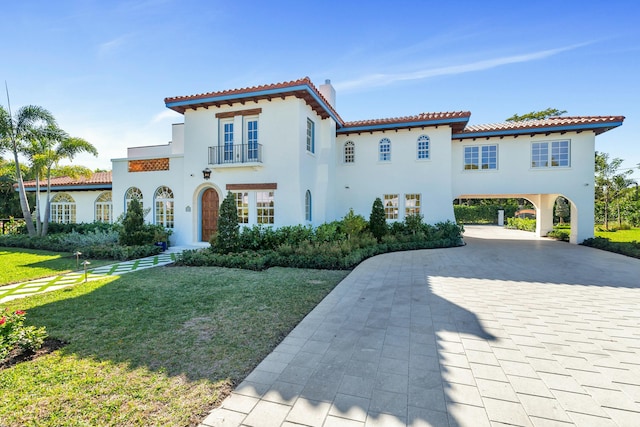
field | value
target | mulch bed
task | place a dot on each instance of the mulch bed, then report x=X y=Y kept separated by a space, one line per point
x=17 y=356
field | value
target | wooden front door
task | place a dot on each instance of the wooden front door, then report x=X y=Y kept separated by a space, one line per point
x=210 y=206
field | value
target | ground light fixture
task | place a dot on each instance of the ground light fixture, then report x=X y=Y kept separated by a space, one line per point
x=77 y=255
x=85 y=263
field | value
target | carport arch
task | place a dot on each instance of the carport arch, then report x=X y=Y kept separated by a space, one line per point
x=581 y=212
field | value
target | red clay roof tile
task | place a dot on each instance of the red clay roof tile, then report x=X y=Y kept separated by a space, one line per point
x=551 y=122
x=96 y=178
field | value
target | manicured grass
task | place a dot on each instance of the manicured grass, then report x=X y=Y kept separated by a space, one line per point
x=20 y=264
x=154 y=347
x=620 y=235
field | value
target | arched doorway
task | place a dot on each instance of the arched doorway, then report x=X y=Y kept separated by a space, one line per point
x=209 y=207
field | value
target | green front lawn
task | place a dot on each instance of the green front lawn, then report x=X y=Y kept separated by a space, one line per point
x=20 y=264
x=620 y=235
x=156 y=347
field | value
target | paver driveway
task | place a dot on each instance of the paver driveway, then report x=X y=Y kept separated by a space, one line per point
x=526 y=332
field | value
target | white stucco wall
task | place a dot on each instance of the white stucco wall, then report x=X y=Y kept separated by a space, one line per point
x=359 y=183
x=85 y=203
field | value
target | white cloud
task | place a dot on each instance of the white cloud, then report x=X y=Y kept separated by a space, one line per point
x=167 y=115
x=112 y=45
x=387 y=79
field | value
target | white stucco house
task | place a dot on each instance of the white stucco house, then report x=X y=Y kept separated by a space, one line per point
x=289 y=158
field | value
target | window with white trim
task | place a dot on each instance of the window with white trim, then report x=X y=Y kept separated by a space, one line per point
x=412 y=204
x=391 y=206
x=384 y=150
x=251 y=126
x=227 y=140
x=63 y=209
x=265 y=207
x=349 y=152
x=164 y=206
x=481 y=157
x=423 y=147
x=307 y=206
x=311 y=130
x=242 y=207
x=551 y=154
x=104 y=208
x=132 y=193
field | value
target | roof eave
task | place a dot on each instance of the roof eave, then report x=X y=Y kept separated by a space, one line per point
x=180 y=106
x=402 y=125
x=598 y=128
x=82 y=187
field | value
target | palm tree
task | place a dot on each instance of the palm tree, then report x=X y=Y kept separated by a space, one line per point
x=45 y=150
x=15 y=131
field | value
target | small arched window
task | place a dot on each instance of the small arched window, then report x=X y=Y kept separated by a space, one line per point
x=307 y=206
x=63 y=209
x=163 y=204
x=384 y=150
x=132 y=193
x=349 y=152
x=104 y=207
x=423 y=147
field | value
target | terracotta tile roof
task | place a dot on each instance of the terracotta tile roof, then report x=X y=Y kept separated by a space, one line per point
x=98 y=179
x=598 y=124
x=269 y=91
x=457 y=120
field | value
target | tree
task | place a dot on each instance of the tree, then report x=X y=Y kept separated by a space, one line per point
x=132 y=225
x=226 y=238
x=14 y=132
x=378 y=220
x=611 y=183
x=537 y=115
x=562 y=210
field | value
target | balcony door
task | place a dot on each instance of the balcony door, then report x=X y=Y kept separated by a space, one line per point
x=227 y=135
x=209 y=213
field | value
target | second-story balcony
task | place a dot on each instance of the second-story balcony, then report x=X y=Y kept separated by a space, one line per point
x=235 y=154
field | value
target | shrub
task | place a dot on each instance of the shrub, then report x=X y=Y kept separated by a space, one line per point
x=378 y=220
x=14 y=335
x=559 y=234
x=353 y=224
x=413 y=223
x=525 y=224
x=225 y=240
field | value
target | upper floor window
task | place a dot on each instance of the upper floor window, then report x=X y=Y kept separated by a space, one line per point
x=551 y=154
x=265 y=207
x=227 y=138
x=349 y=152
x=63 y=209
x=242 y=207
x=251 y=125
x=423 y=147
x=164 y=207
x=104 y=207
x=411 y=204
x=384 y=150
x=132 y=193
x=307 y=206
x=483 y=157
x=391 y=206
x=311 y=143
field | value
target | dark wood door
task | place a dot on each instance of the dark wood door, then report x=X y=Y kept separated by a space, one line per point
x=210 y=206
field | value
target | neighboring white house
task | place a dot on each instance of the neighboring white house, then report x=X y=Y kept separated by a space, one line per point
x=289 y=158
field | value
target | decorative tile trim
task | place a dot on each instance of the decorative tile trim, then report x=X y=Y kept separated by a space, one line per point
x=263 y=186
x=149 y=165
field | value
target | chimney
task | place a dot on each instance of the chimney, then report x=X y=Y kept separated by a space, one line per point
x=328 y=92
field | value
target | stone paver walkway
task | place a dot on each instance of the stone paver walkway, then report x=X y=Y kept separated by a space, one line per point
x=52 y=283
x=524 y=332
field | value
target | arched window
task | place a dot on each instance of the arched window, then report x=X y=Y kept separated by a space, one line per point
x=163 y=203
x=132 y=193
x=63 y=209
x=307 y=206
x=104 y=207
x=423 y=147
x=349 y=152
x=384 y=150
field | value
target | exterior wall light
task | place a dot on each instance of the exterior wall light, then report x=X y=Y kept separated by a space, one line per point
x=206 y=173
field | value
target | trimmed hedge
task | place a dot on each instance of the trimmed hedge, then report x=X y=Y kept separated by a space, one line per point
x=631 y=249
x=481 y=214
x=526 y=224
x=322 y=248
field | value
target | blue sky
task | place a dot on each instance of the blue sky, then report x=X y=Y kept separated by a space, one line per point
x=103 y=68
